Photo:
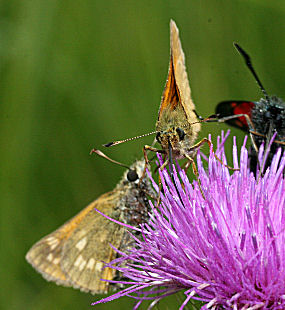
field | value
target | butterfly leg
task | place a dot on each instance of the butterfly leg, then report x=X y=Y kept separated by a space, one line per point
x=157 y=168
x=147 y=148
x=166 y=162
x=249 y=123
x=206 y=140
x=196 y=173
x=251 y=130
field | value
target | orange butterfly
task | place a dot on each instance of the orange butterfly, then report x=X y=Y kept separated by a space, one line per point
x=178 y=125
x=74 y=254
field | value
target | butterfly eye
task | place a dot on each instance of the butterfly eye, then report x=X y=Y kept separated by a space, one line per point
x=132 y=175
x=181 y=133
x=158 y=137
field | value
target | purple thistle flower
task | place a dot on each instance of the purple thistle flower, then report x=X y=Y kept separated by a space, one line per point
x=227 y=251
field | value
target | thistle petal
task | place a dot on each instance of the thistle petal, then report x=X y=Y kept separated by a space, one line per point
x=227 y=250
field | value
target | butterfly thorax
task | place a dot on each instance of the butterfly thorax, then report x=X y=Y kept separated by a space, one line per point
x=174 y=128
x=133 y=205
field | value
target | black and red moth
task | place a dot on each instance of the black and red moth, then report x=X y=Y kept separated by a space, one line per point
x=260 y=118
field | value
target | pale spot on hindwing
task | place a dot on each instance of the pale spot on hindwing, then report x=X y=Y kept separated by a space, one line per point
x=90 y=263
x=80 y=245
x=56 y=260
x=99 y=266
x=52 y=242
x=80 y=262
x=50 y=257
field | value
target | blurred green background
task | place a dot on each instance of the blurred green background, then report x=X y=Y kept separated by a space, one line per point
x=77 y=74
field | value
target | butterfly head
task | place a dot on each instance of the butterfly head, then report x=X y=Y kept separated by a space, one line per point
x=174 y=137
x=135 y=172
x=136 y=181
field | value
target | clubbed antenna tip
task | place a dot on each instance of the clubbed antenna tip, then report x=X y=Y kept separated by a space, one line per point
x=129 y=139
x=108 y=144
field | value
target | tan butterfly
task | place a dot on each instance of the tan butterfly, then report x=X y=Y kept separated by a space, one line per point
x=74 y=254
x=177 y=126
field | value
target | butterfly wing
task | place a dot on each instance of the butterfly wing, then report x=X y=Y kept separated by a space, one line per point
x=45 y=255
x=177 y=93
x=230 y=108
x=88 y=247
x=73 y=255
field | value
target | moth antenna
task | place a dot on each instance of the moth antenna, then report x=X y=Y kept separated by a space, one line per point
x=250 y=67
x=129 y=139
x=98 y=152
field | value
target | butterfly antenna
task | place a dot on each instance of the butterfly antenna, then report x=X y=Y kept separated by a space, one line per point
x=98 y=152
x=131 y=175
x=129 y=139
x=250 y=67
